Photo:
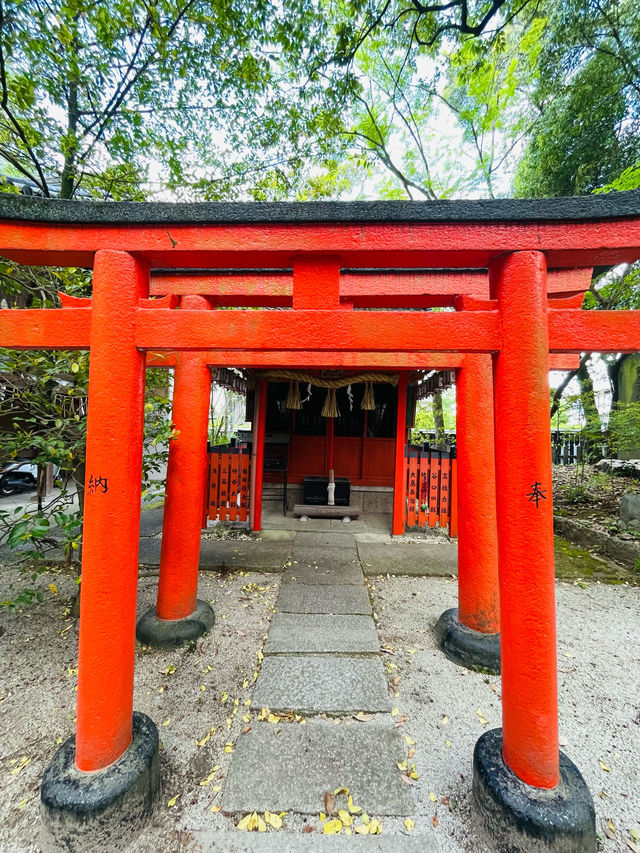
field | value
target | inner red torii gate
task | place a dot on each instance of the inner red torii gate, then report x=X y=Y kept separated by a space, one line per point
x=518 y=322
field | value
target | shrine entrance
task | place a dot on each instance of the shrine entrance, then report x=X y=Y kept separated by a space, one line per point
x=354 y=284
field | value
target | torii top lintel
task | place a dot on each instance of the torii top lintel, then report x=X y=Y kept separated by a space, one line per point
x=321 y=245
x=572 y=232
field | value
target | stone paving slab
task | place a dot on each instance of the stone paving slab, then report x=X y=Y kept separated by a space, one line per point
x=323 y=598
x=349 y=574
x=415 y=559
x=246 y=554
x=293 y=633
x=237 y=554
x=330 y=539
x=325 y=557
x=289 y=768
x=289 y=842
x=310 y=684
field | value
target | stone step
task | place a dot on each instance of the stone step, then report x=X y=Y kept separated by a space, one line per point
x=304 y=573
x=319 y=598
x=315 y=684
x=294 y=633
x=325 y=511
x=289 y=767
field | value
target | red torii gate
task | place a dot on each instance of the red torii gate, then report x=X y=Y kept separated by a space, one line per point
x=522 y=784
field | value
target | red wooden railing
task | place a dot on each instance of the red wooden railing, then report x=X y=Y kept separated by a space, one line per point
x=431 y=489
x=229 y=478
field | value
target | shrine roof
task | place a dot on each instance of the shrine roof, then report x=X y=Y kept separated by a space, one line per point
x=609 y=206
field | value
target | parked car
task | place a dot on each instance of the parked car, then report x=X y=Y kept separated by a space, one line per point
x=18 y=476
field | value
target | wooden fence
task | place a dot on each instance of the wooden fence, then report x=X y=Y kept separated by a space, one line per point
x=431 y=489
x=569 y=447
x=229 y=478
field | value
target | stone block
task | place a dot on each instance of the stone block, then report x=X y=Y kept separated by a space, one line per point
x=289 y=767
x=310 y=684
x=324 y=598
x=293 y=633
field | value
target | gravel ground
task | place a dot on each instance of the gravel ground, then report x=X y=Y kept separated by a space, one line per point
x=599 y=661
x=599 y=674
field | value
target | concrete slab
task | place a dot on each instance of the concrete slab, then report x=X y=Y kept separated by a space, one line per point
x=323 y=598
x=276 y=535
x=278 y=521
x=228 y=554
x=309 y=684
x=290 y=842
x=289 y=767
x=293 y=633
x=149 y=551
x=295 y=842
x=331 y=539
x=367 y=522
x=327 y=557
x=413 y=559
x=151 y=521
x=245 y=554
x=301 y=573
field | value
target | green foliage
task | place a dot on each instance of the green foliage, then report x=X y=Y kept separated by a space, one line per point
x=624 y=427
x=587 y=99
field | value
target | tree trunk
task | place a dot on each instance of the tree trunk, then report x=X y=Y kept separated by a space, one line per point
x=588 y=400
x=438 y=420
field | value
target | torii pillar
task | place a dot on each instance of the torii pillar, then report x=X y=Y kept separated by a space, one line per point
x=469 y=634
x=527 y=795
x=179 y=616
x=111 y=767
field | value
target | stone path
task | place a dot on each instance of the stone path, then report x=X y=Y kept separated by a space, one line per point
x=321 y=660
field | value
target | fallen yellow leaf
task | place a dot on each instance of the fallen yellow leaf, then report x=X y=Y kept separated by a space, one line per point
x=173 y=800
x=353 y=809
x=332 y=827
x=361 y=829
x=409 y=824
x=604 y=766
x=273 y=820
x=345 y=817
x=433 y=797
x=394 y=712
x=342 y=790
x=215 y=808
x=375 y=827
x=21 y=764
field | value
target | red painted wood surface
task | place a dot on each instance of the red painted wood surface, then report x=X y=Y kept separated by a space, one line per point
x=393 y=331
x=373 y=289
x=257 y=459
x=69 y=328
x=453 y=521
x=186 y=481
x=316 y=282
x=229 y=478
x=366 y=462
x=398 y=521
x=476 y=497
x=111 y=515
x=401 y=245
x=429 y=480
x=525 y=522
